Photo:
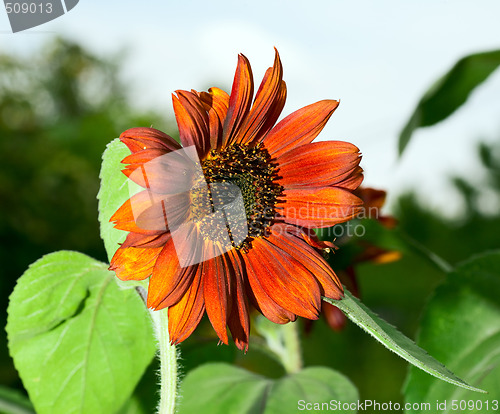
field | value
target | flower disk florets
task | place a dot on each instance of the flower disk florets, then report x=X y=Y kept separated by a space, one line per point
x=251 y=169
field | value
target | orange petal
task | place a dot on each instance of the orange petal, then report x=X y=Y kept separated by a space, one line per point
x=299 y=128
x=133 y=263
x=144 y=240
x=192 y=120
x=185 y=316
x=169 y=280
x=125 y=217
x=308 y=258
x=318 y=164
x=259 y=297
x=217 y=278
x=284 y=279
x=216 y=102
x=239 y=321
x=319 y=207
x=239 y=101
x=266 y=109
x=138 y=139
x=160 y=173
x=353 y=181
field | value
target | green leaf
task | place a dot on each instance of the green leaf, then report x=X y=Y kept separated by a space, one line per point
x=450 y=92
x=13 y=402
x=394 y=340
x=114 y=191
x=223 y=388
x=461 y=326
x=79 y=342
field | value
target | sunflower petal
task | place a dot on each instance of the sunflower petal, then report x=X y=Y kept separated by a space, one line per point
x=125 y=218
x=239 y=321
x=284 y=279
x=216 y=102
x=170 y=280
x=309 y=258
x=133 y=263
x=299 y=128
x=259 y=297
x=146 y=241
x=319 y=207
x=184 y=317
x=192 y=120
x=239 y=101
x=217 y=286
x=138 y=139
x=353 y=181
x=318 y=164
x=267 y=106
x=162 y=173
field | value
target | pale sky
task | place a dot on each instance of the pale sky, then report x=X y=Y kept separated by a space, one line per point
x=378 y=58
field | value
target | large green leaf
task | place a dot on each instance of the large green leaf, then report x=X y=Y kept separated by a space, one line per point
x=114 y=191
x=461 y=326
x=79 y=342
x=223 y=388
x=394 y=340
x=450 y=92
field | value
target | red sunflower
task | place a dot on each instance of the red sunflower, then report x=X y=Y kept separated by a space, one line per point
x=276 y=182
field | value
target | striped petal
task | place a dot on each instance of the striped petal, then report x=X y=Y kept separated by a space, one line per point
x=318 y=164
x=170 y=280
x=239 y=102
x=267 y=107
x=216 y=102
x=185 y=316
x=133 y=263
x=353 y=181
x=299 y=128
x=217 y=285
x=239 y=320
x=283 y=279
x=138 y=139
x=319 y=207
x=309 y=259
x=192 y=120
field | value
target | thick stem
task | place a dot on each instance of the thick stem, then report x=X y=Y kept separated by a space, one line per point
x=292 y=357
x=168 y=362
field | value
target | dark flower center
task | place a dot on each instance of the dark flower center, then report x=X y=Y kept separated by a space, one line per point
x=242 y=181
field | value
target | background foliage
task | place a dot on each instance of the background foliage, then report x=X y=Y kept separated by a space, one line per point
x=59 y=109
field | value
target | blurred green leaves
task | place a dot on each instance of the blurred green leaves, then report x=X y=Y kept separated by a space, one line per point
x=450 y=92
x=222 y=388
x=79 y=343
x=461 y=327
x=13 y=402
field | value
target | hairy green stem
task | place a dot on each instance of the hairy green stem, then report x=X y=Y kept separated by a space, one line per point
x=168 y=362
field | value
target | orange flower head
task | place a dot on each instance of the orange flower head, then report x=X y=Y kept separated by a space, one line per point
x=226 y=220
